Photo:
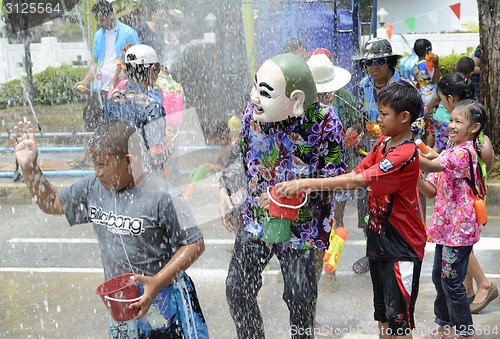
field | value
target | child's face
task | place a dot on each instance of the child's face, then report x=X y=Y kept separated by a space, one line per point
x=460 y=129
x=113 y=173
x=389 y=122
x=448 y=101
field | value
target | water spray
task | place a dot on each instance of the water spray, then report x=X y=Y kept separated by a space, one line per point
x=32 y=110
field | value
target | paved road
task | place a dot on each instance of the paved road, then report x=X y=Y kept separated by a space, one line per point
x=49 y=271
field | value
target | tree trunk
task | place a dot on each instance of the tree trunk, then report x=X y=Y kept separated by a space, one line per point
x=489 y=27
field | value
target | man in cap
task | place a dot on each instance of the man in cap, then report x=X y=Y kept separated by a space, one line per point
x=285 y=135
x=380 y=63
x=109 y=40
x=138 y=106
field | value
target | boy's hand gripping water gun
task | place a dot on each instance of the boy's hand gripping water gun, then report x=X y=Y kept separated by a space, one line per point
x=332 y=255
x=428 y=57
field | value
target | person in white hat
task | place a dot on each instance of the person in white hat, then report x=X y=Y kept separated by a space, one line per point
x=137 y=105
x=329 y=80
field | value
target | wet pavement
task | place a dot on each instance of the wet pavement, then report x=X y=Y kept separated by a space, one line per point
x=49 y=272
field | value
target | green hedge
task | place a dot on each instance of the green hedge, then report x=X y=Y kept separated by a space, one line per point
x=447 y=63
x=52 y=86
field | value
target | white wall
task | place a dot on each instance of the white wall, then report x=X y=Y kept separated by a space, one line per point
x=49 y=52
x=442 y=44
x=431 y=16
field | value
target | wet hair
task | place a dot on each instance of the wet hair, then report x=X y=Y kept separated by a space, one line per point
x=465 y=65
x=117 y=137
x=156 y=6
x=402 y=96
x=102 y=7
x=475 y=113
x=455 y=84
x=292 y=45
x=420 y=47
x=139 y=73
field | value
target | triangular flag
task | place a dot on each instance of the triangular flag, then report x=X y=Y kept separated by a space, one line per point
x=434 y=17
x=411 y=24
x=389 y=28
x=456 y=9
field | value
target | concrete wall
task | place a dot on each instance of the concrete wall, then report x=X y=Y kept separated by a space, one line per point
x=49 y=52
x=442 y=44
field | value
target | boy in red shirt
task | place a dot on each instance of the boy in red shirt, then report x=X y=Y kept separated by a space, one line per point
x=395 y=236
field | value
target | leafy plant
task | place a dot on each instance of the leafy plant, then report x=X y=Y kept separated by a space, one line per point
x=447 y=63
x=52 y=86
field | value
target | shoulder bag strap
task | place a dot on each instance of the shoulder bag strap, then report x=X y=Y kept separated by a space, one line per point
x=471 y=181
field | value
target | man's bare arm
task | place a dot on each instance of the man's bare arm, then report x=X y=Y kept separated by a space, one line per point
x=26 y=151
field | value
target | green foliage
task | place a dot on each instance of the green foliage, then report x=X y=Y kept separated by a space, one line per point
x=12 y=93
x=447 y=63
x=471 y=26
x=52 y=86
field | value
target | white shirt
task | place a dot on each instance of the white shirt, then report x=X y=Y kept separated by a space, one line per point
x=108 y=66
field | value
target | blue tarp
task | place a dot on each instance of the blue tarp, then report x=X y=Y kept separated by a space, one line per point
x=312 y=23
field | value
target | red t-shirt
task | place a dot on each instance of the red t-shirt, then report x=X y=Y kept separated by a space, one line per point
x=394 y=233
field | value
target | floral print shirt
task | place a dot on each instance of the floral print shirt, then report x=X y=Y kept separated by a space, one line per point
x=454 y=220
x=368 y=106
x=304 y=147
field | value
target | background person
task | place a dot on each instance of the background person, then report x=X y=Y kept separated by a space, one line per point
x=107 y=48
x=138 y=106
x=329 y=81
x=426 y=79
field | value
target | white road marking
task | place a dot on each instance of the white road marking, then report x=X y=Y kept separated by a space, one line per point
x=195 y=273
x=53 y=240
x=486 y=243
x=94 y=241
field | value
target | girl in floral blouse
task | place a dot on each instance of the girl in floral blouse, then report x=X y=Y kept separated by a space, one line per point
x=454 y=228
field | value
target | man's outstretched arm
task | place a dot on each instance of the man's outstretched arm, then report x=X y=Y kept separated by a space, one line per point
x=26 y=151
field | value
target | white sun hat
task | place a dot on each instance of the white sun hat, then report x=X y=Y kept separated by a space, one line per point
x=141 y=55
x=328 y=78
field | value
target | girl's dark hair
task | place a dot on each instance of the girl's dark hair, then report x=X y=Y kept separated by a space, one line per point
x=456 y=85
x=102 y=7
x=475 y=111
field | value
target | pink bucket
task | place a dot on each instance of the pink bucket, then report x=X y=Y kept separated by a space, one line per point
x=117 y=294
x=285 y=208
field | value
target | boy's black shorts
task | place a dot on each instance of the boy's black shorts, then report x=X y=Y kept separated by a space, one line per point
x=395 y=290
